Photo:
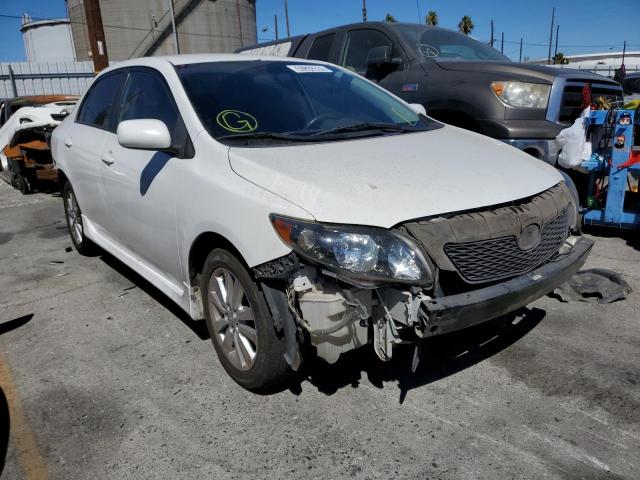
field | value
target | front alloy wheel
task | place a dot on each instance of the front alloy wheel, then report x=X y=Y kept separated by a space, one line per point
x=233 y=320
x=240 y=324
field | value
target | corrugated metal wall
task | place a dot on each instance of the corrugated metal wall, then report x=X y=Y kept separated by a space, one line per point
x=64 y=78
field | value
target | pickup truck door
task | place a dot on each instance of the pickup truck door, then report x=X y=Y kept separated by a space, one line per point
x=358 y=42
x=139 y=186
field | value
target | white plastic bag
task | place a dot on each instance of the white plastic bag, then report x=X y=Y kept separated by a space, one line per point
x=572 y=142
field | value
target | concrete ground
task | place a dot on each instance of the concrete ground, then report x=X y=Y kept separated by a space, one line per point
x=104 y=378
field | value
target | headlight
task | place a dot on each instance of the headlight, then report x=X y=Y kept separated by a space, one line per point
x=574 y=210
x=521 y=94
x=366 y=255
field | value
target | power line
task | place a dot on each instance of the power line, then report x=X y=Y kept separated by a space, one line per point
x=122 y=27
x=146 y=30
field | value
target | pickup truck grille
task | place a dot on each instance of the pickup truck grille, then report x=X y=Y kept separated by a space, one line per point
x=572 y=100
x=498 y=258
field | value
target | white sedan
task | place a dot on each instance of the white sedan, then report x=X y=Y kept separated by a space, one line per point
x=290 y=202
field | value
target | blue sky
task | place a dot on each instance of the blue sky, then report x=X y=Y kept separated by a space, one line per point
x=585 y=25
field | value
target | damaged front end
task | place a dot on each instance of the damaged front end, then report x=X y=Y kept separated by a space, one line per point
x=343 y=287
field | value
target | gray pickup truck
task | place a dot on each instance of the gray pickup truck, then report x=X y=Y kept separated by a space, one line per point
x=459 y=80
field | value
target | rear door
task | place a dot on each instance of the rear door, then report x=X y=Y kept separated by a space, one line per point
x=139 y=185
x=85 y=142
x=356 y=45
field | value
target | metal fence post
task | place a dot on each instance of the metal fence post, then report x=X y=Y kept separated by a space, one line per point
x=12 y=79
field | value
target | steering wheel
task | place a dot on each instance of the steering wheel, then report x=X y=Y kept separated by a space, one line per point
x=316 y=121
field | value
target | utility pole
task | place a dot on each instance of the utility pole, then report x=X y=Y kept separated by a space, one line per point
x=553 y=17
x=491 y=41
x=364 y=10
x=624 y=50
x=275 y=23
x=555 y=55
x=520 y=57
x=96 y=35
x=239 y=22
x=502 y=43
x=173 y=25
x=286 y=16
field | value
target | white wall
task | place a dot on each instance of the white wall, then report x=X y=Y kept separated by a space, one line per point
x=49 y=43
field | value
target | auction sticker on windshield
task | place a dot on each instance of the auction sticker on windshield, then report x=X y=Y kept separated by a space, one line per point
x=309 y=69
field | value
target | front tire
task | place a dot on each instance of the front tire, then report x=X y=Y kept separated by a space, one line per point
x=73 y=215
x=240 y=324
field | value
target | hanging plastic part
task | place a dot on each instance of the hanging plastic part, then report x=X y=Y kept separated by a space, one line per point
x=416 y=358
x=384 y=332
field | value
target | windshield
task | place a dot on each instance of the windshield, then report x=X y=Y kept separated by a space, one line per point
x=267 y=101
x=441 y=45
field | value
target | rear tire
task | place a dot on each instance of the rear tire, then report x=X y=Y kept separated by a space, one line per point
x=23 y=184
x=241 y=326
x=73 y=215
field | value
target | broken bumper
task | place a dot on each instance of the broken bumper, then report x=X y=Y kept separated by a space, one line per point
x=455 y=312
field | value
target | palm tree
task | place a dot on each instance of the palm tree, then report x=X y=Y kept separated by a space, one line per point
x=390 y=18
x=431 y=18
x=560 y=59
x=465 y=25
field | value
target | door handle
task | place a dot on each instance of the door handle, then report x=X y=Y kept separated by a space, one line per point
x=107 y=160
x=68 y=142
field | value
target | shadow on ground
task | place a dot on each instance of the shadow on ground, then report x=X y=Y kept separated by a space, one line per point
x=15 y=323
x=631 y=237
x=198 y=327
x=441 y=356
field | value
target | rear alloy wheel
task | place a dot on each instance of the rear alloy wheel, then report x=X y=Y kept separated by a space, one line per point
x=240 y=324
x=73 y=215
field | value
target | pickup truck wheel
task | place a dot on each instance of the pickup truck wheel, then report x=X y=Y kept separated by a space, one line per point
x=240 y=324
x=73 y=215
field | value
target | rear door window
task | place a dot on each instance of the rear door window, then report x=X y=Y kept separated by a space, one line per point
x=98 y=107
x=321 y=48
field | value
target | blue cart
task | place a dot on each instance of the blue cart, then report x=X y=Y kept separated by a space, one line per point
x=610 y=201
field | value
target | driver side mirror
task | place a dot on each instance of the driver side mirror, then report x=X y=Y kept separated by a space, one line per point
x=145 y=134
x=380 y=57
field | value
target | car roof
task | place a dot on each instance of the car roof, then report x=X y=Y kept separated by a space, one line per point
x=192 y=58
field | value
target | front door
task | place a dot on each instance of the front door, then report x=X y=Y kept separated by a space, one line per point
x=137 y=184
x=357 y=45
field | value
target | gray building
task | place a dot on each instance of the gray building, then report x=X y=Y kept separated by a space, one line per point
x=47 y=40
x=137 y=28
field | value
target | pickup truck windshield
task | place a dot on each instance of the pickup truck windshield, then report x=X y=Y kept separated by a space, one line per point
x=441 y=45
x=267 y=102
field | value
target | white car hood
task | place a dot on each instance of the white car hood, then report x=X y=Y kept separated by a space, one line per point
x=383 y=181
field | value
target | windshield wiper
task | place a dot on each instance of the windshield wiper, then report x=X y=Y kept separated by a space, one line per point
x=259 y=135
x=357 y=127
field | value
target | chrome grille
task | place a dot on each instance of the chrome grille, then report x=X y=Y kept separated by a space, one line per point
x=499 y=258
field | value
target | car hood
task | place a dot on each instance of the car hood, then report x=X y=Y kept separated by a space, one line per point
x=523 y=71
x=383 y=181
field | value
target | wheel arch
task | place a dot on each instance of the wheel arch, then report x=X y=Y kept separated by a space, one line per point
x=62 y=178
x=200 y=248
